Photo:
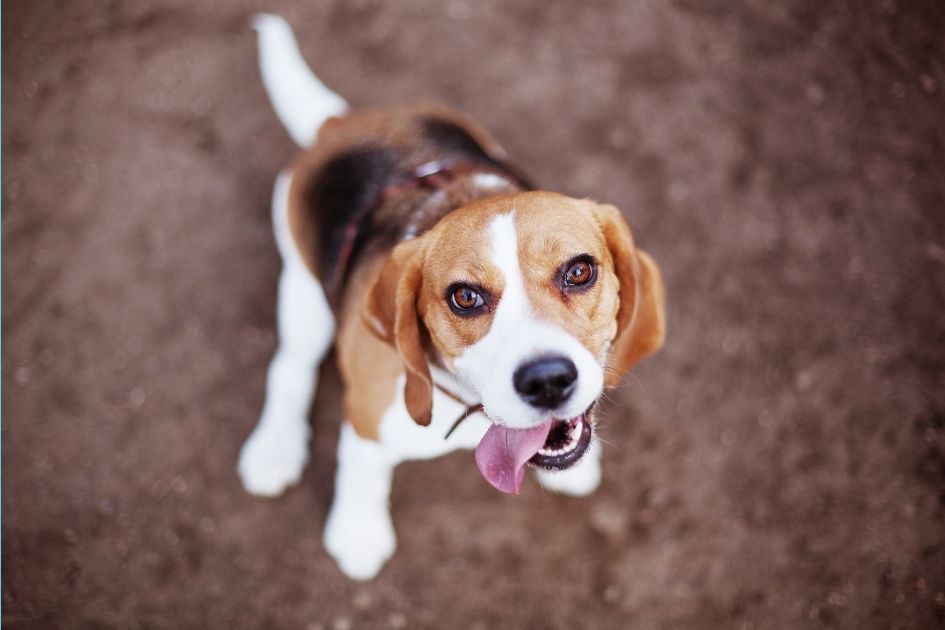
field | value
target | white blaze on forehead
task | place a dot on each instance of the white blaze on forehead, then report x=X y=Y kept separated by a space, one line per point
x=516 y=336
x=514 y=302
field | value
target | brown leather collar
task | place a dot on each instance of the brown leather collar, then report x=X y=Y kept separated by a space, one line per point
x=433 y=176
x=470 y=409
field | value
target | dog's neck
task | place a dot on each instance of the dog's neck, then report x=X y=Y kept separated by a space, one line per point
x=431 y=191
x=451 y=387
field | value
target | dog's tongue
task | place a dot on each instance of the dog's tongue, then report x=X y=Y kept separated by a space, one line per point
x=502 y=453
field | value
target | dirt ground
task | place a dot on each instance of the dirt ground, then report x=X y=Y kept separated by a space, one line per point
x=780 y=464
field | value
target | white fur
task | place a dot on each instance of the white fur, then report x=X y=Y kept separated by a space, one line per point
x=302 y=102
x=489 y=180
x=359 y=532
x=581 y=479
x=275 y=455
x=517 y=336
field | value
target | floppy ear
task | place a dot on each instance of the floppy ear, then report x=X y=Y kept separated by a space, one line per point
x=641 y=322
x=391 y=313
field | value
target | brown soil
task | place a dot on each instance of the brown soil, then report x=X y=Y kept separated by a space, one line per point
x=780 y=464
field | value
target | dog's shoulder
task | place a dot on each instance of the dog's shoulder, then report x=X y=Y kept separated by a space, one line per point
x=338 y=184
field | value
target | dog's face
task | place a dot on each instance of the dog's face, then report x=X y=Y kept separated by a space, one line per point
x=533 y=300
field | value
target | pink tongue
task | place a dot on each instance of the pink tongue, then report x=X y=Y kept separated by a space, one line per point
x=502 y=453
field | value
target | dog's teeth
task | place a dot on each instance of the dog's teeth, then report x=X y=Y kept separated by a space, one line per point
x=576 y=432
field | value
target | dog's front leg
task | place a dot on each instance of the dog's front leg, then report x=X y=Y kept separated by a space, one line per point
x=275 y=454
x=359 y=533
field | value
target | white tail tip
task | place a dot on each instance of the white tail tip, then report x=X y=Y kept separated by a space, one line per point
x=302 y=102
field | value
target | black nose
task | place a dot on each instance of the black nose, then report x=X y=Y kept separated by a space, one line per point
x=547 y=382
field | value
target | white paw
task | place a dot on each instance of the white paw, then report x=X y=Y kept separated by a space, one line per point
x=360 y=545
x=273 y=458
x=580 y=480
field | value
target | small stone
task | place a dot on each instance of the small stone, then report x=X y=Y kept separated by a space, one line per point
x=137 y=396
x=678 y=191
x=935 y=252
x=611 y=594
x=362 y=600
x=609 y=520
x=22 y=375
x=803 y=380
x=178 y=485
x=342 y=623
x=815 y=93
x=928 y=83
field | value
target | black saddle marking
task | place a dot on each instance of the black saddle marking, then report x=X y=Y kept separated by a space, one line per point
x=343 y=193
x=451 y=139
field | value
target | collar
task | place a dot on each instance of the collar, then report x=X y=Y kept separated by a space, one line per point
x=468 y=411
x=433 y=176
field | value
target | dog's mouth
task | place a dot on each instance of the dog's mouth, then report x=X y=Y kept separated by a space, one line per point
x=552 y=445
x=566 y=443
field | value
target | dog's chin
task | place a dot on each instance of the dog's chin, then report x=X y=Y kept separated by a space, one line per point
x=567 y=442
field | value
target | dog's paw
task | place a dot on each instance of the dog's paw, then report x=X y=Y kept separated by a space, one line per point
x=273 y=459
x=359 y=544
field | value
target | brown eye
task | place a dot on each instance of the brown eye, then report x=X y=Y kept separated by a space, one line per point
x=579 y=273
x=464 y=298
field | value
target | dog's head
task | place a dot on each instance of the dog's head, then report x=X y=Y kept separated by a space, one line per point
x=535 y=301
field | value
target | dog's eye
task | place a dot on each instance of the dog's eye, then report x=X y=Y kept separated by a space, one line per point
x=579 y=273
x=464 y=299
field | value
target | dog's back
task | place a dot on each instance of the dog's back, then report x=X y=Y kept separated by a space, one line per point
x=340 y=206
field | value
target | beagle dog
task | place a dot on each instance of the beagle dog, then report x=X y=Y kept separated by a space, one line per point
x=468 y=309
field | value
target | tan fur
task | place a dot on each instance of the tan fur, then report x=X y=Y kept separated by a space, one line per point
x=553 y=229
x=458 y=250
x=647 y=329
x=391 y=311
x=369 y=366
x=641 y=325
x=394 y=309
x=625 y=301
x=393 y=126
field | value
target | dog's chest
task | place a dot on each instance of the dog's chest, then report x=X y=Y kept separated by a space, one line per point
x=406 y=440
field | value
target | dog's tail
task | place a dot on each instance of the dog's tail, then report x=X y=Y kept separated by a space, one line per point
x=302 y=102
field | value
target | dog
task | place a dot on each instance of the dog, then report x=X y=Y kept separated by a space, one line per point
x=467 y=308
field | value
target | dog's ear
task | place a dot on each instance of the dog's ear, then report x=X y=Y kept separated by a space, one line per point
x=391 y=313
x=641 y=322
